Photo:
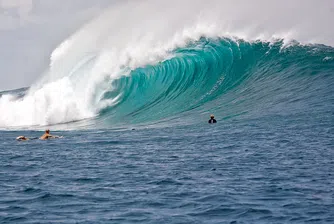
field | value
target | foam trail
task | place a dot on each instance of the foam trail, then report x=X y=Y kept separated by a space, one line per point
x=133 y=34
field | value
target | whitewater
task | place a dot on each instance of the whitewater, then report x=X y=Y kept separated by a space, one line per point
x=133 y=35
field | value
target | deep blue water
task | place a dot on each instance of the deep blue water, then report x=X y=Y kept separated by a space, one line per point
x=265 y=170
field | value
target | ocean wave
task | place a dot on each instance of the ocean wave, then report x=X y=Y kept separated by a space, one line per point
x=136 y=64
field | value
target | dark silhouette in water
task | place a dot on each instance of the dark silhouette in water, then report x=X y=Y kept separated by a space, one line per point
x=212 y=120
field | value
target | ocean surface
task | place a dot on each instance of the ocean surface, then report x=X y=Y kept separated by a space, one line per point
x=137 y=148
x=273 y=169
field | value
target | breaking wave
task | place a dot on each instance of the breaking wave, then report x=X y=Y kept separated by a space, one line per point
x=146 y=67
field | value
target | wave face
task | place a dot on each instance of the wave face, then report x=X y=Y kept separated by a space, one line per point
x=225 y=77
x=222 y=76
x=180 y=75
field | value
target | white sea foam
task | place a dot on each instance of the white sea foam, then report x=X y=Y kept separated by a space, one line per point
x=327 y=58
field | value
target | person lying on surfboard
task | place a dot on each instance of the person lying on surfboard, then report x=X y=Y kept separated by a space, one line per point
x=22 y=138
x=47 y=135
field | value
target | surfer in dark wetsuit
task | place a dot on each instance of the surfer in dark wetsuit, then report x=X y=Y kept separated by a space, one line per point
x=212 y=120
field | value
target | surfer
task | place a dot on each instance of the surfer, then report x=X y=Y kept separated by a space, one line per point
x=212 y=119
x=22 y=138
x=47 y=135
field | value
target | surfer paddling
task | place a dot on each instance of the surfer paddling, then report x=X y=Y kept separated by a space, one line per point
x=45 y=136
x=22 y=138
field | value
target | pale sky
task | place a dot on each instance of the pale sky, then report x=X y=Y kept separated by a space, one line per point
x=31 y=29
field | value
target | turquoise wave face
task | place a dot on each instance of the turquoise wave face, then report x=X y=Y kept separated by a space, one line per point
x=224 y=77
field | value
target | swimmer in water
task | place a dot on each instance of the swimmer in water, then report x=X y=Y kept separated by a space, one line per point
x=212 y=119
x=47 y=135
x=22 y=138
